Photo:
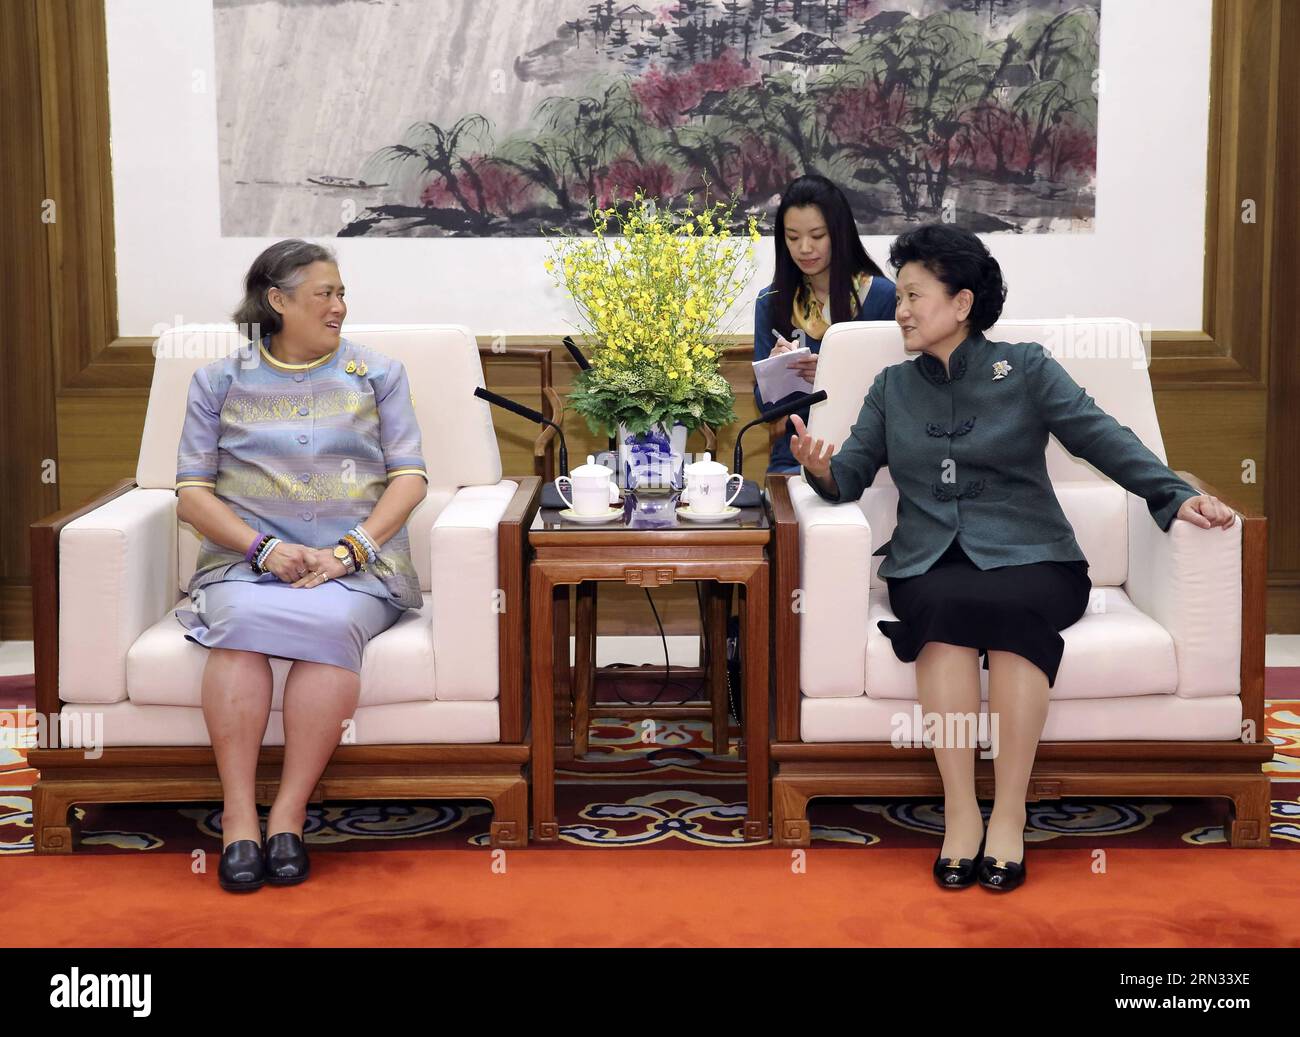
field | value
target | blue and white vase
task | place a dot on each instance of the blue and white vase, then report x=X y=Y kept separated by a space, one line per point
x=651 y=461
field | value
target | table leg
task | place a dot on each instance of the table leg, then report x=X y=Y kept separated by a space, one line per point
x=584 y=666
x=753 y=624
x=541 y=609
x=717 y=609
x=562 y=684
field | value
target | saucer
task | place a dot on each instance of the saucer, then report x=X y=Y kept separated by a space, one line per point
x=728 y=512
x=573 y=516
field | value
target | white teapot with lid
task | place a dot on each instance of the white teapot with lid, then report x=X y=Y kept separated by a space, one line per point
x=706 y=486
x=592 y=486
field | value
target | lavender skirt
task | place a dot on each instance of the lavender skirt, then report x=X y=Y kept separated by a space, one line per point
x=326 y=624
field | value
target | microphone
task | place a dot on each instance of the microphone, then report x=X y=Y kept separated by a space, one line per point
x=585 y=364
x=550 y=492
x=750 y=495
x=576 y=353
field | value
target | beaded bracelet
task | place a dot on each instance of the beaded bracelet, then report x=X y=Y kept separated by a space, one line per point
x=372 y=551
x=262 y=555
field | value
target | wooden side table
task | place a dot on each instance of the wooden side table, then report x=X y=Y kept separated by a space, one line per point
x=647 y=548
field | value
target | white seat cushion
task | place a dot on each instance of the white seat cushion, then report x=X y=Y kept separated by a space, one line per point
x=164 y=669
x=398 y=723
x=1149 y=717
x=1113 y=651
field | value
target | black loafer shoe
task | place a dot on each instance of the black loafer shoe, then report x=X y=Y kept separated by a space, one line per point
x=286 y=860
x=957 y=872
x=1001 y=876
x=242 y=868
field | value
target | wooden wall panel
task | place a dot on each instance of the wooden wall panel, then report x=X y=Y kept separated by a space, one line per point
x=99 y=441
x=1283 y=483
x=1211 y=432
x=27 y=377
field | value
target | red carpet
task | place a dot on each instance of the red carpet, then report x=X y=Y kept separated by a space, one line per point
x=656 y=898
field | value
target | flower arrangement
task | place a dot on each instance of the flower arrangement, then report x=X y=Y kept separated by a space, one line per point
x=651 y=302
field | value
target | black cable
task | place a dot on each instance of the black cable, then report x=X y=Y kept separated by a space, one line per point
x=663 y=686
x=668 y=670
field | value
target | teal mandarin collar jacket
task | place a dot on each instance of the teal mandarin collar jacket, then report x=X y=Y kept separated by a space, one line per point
x=967 y=452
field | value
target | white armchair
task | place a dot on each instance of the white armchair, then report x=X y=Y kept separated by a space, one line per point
x=1160 y=691
x=441 y=712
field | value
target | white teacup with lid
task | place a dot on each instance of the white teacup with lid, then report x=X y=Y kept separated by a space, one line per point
x=706 y=486
x=592 y=486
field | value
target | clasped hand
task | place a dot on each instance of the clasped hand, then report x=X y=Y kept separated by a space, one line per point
x=304 y=566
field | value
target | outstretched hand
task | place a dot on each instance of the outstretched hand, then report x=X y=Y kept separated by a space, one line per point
x=814 y=454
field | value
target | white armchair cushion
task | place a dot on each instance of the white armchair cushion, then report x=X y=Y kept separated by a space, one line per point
x=1099 y=514
x=835 y=573
x=1189 y=581
x=117 y=575
x=1154 y=717
x=1113 y=651
x=419 y=723
x=464 y=600
x=164 y=669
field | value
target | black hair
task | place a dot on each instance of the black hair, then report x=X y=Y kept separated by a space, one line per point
x=959 y=260
x=848 y=257
x=280 y=266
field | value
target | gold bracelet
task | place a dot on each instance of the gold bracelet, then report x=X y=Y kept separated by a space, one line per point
x=359 y=555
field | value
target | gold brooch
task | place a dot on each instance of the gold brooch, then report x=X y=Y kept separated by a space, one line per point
x=1001 y=369
x=361 y=368
x=352 y=367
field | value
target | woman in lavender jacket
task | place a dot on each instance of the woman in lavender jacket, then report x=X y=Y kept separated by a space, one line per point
x=299 y=465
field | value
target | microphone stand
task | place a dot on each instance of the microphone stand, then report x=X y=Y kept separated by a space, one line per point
x=750 y=495
x=550 y=492
x=581 y=360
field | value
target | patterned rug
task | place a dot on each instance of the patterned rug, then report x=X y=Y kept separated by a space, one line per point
x=671 y=793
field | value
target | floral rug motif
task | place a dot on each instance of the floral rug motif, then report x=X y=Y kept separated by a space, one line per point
x=628 y=791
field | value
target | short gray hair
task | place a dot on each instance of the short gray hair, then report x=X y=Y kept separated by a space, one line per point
x=282 y=266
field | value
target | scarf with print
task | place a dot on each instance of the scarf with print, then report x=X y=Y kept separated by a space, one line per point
x=807 y=312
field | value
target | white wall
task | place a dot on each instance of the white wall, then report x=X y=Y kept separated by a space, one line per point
x=1144 y=260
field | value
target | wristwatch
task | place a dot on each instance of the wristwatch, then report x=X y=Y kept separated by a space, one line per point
x=345 y=556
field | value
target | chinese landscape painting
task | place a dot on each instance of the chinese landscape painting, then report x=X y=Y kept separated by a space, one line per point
x=479 y=118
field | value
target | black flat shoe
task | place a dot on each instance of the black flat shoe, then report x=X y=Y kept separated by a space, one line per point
x=1001 y=876
x=957 y=872
x=286 y=860
x=242 y=869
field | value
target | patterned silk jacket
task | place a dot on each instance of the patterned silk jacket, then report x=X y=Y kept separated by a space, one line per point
x=303 y=451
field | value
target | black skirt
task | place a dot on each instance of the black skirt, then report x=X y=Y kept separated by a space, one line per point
x=1014 y=608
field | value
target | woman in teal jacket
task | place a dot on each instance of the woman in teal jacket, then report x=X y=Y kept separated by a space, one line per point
x=983 y=560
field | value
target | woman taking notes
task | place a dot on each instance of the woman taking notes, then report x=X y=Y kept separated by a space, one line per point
x=299 y=464
x=823 y=275
x=983 y=559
